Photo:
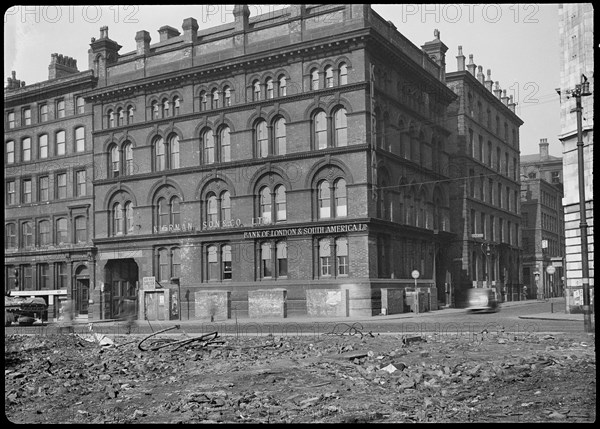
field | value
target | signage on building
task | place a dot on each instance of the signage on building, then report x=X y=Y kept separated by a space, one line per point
x=476 y=235
x=231 y=223
x=284 y=232
x=189 y=227
x=174 y=227
x=149 y=283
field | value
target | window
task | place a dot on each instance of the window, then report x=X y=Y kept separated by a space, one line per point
x=115 y=160
x=117 y=228
x=44 y=186
x=110 y=117
x=176 y=105
x=10 y=152
x=282 y=86
x=79 y=139
x=27 y=280
x=225 y=144
x=269 y=85
x=26 y=196
x=212 y=210
x=27 y=234
x=44 y=233
x=225 y=206
x=163 y=265
x=343 y=78
x=60 y=143
x=128 y=151
x=27 y=116
x=165 y=106
x=256 y=91
x=128 y=217
x=120 y=117
x=174 y=151
x=60 y=109
x=320 y=130
x=61 y=185
x=26 y=146
x=273 y=260
x=555 y=177
x=80 y=229
x=176 y=262
x=314 y=79
x=43 y=271
x=340 y=125
x=266 y=262
x=61 y=275
x=160 y=161
x=11 y=236
x=213 y=263
x=44 y=113
x=168 y=212
x=80 y=183
x=262 y=139
x=226 y=96
x=265 y=205
x=280 y=137
x=80 y=103
x=215 y=99
x=43 y=146
x=341 y=199
x=208 y=146
x=324 y=200
x=130 y=115
x=155 y=110
x=11 y=193
x=341 y=253
x=328 y=77
x=226 y=258
x=203 y=101
x=324 y=257
x=11 y=119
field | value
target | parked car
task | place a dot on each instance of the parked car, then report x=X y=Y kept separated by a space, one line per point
x=482 y=300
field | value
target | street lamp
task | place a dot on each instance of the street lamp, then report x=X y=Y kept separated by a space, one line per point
x=582 y=90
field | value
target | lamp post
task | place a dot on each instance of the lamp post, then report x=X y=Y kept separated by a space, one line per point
x=582 y=90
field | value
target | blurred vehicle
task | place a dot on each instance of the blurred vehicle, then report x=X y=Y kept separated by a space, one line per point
x=24 y=310
x=482 y=300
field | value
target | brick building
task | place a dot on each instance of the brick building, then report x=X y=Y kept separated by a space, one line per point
x=49 y=196
x=543 y=236
x=576 y=37
x=485 y=193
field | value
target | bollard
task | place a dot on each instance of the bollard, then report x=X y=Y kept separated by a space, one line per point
x=551 y=307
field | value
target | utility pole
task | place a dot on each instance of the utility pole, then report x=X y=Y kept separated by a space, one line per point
x=582 y=90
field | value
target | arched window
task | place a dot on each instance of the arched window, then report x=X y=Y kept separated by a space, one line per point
x=208 y=146
x=225 y=206
x=128 y=217
x=128 y=152
x=174 y=151
x=176 y=105
x=340 y=125
x=343 y=71
x=280 y=137
x=215 y=98
x=314 y=79
x=165 y=105
x=282 y=86
x=328 y=77
x=110 y=119
x=320 y=130
x=226 y=96
x=163 y=213
x=79 y=139
x=120 y=117
x=117 y=219
x=265 y=205
x=115 y=160
x=155 y=110
x=175 y=211
x=203 y=101
x=341 y=199
x=280 y=203
x=324 y=200
x=225 y=143
x=160 y=159
x=256 y=90
x=262 y=139
x=212 y=211
x=269 y=85
x=130 y=115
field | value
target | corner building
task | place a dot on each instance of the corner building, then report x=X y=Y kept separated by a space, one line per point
x=285 y=164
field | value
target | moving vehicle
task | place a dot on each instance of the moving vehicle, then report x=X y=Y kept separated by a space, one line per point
x=482 y=300
x=24 y=310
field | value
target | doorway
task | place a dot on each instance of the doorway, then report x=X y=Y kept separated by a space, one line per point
x=121 y=283
x=81 y=290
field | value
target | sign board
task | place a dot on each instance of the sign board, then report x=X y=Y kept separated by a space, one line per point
x=476 y=235
x=544 y=244
x=550 y=269
x=415 y=274
x=149 y=283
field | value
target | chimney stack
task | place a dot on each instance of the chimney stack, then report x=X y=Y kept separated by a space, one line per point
x=166 y=32
x=504 y=97
x=142 y=42
x=497 y=90
x=544 y=149
x=480 y=76
x=190 y=29
x=511 y=103
x=471 y=66
x=460 y=60
x=489 y=81
x=61 y=66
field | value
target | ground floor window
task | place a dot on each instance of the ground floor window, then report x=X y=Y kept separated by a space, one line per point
x=333 y=259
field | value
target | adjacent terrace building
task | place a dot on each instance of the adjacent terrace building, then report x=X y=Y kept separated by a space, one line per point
x=484 y=165
x=284 y=164
x=48 y=167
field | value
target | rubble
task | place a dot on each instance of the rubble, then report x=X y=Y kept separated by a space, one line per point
x=329 y=379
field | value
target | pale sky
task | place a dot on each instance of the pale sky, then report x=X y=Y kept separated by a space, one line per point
x=518 y=42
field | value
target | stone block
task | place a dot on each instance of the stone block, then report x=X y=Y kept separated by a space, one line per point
x=392 y=301
x=267 y=303
x=327 y=302
x=213 y=304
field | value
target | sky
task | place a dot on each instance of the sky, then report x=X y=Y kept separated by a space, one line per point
x=518 y=42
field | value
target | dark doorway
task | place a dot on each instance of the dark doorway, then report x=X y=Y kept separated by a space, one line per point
x=81 y=290
x=121 y=283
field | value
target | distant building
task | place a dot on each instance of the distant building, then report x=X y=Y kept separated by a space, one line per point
x=484 y=163
x=576 y=33
x=543 y=237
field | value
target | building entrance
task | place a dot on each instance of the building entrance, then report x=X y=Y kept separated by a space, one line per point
x=121 y=284
x=81 y=291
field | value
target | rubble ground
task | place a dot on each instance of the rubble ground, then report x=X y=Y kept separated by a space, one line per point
x=179 y=378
